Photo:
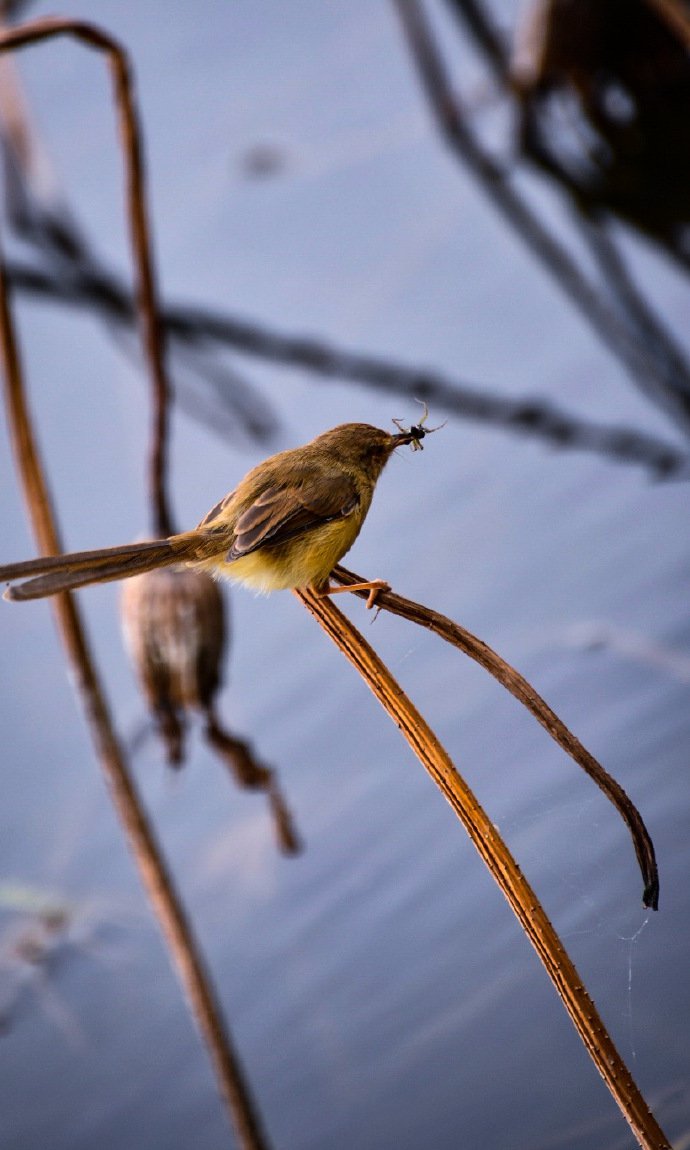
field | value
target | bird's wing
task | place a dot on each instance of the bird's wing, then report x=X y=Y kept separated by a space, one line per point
x=216 y=511
x=282 y=513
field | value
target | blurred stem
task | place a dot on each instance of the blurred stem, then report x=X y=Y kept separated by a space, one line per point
x=486 y=35
x=676 y=16
x=671 y=363
x=72 y=274
x=196 y=328
x=153 y=870
x=673 y=369
x=139 y=833
x=146 y=291
x=621 y=338
x=502 y=866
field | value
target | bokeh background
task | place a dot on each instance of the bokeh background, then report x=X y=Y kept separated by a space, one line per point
x=378 y=989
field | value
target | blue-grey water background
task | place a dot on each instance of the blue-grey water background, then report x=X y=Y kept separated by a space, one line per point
x=379 y=991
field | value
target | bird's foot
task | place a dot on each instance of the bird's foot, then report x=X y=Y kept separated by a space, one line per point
x=374 y=586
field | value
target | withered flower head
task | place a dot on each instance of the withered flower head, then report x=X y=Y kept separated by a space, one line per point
x=175 y=629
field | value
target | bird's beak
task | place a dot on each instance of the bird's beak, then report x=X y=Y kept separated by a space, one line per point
x=412 y=436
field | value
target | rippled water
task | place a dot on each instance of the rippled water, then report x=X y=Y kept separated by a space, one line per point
x=379 y=991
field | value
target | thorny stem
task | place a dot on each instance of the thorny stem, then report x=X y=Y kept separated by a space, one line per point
x=502 y=866
x=146 y=293
x=525 y=693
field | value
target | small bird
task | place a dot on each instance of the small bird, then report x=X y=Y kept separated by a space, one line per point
x=287 y=524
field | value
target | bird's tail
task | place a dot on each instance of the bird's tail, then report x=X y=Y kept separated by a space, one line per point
x=54 y=573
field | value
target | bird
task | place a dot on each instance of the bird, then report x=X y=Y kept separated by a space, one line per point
x=285 y=526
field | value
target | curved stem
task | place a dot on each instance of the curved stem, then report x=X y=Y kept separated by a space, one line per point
x=153 y=870
x=502 y=865
x=525 y=693
x=146 y=292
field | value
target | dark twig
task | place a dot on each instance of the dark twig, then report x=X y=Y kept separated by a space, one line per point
x=485 y=34
x=73 y=273
x=616 y=334
x=525 y=693
x=533 y=417
x=673 y=367
x=501 y=864
x=674 y=370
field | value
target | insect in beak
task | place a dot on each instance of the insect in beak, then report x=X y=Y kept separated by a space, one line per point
x=418 y=431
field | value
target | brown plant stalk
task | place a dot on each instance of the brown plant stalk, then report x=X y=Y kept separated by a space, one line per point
x=525 y=693
x=146 y=291
x=502 y=865
x=153 y=870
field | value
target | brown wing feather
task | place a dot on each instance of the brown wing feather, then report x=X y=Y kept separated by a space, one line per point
x=220 y=506
x=282 y=513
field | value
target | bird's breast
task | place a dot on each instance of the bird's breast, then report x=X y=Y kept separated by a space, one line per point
x=301 y=562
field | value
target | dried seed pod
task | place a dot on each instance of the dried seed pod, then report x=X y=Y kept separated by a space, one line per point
x=175 y=629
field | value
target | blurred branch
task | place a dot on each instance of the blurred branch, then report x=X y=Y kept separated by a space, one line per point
x=153 y=870
x=146 y=291
x=619 y=336
x=673 y=364
x=676 y=16
x=501 y=864
x=239 y=756
x=673 y=370
x=169 y=653
x=485 y=34
x=152 y=867
x=73 y=274
x=42 y=220
x=196 y=327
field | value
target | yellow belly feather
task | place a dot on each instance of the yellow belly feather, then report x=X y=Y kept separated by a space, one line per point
x=302 y=562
